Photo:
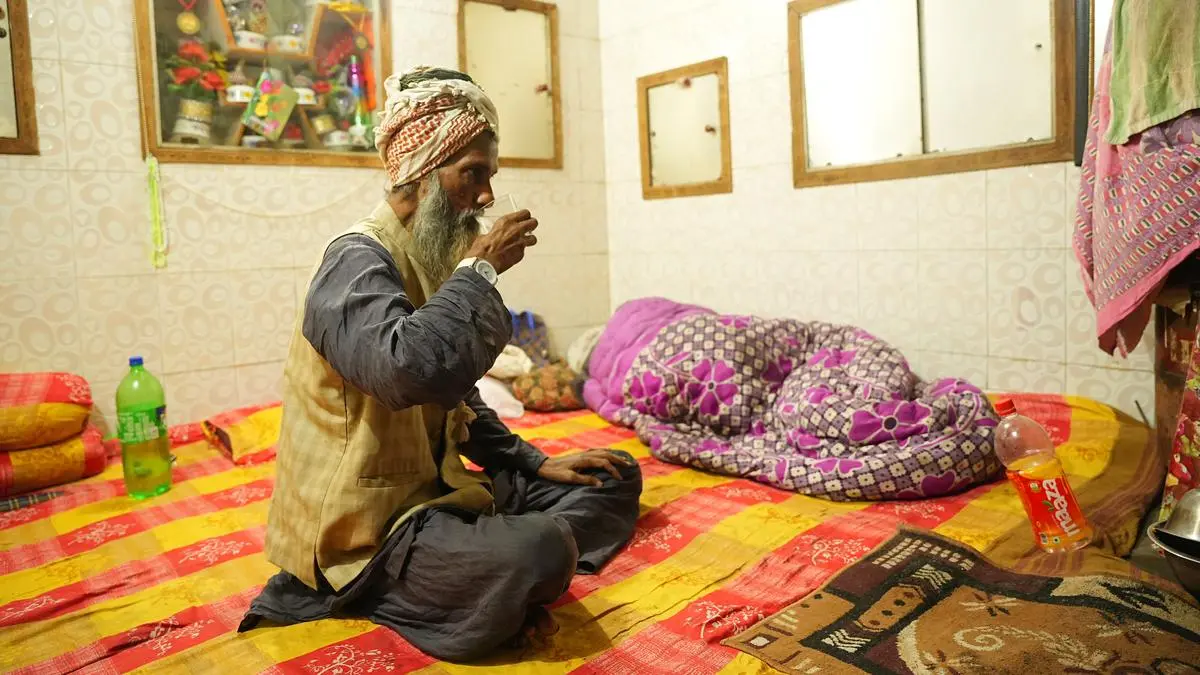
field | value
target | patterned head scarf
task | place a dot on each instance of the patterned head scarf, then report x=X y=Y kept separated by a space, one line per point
x=428 y=117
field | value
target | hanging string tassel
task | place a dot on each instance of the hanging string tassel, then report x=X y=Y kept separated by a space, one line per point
x=158 y=232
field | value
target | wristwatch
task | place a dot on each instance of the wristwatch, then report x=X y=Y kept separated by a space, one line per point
x=483 y=268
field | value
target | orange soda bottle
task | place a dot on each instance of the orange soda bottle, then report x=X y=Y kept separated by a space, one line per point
x=1028 y=453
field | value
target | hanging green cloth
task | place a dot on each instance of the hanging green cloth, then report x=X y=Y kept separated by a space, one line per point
x=1155 y=65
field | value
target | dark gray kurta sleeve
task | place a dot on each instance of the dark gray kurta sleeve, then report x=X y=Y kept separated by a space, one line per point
x=359 y=319
x=493 y=446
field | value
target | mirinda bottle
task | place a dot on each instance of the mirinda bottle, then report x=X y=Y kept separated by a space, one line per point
x=1035 y=471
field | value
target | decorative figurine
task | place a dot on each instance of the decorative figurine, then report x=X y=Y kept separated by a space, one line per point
x=361 y=128
x=291 y=40
x=338 y=140
x=241 y=22
x=239 y=90
x=323 y=124
x=303 y=84
x=259 y=19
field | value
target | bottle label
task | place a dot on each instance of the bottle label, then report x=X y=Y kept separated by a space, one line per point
x=139 y=425
x=1053 y=510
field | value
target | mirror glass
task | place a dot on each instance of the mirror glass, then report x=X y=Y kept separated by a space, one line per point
x=889 y=89
x=862 y=82
x=508 y=51
x=685 y=131
x=8 y=91
x=977 y=54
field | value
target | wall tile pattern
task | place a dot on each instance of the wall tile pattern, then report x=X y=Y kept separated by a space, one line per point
x=971 y=274
x=77 y=291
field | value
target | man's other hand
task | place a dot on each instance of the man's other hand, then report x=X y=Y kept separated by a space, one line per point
x=505 y=245
x=567 y=468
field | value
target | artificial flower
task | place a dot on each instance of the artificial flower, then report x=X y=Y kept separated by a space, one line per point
x=185 y=74
x=193 y=51
x=212 y=81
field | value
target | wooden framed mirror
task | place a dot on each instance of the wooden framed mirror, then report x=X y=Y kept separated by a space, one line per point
x=510 y=47
x=683 y=131
x=886 y=89
x=262 y=81
x=18 y=109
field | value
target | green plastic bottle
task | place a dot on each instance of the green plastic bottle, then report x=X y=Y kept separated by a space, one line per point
x=142 y=430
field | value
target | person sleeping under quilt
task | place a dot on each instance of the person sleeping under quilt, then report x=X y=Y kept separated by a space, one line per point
x=824 y=410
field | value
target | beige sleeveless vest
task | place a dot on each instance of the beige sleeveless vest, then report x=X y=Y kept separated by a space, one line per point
x=349 y=469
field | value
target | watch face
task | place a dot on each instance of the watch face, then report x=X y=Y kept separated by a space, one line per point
x=485 y=270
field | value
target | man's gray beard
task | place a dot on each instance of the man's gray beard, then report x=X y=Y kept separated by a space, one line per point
x=441 y=237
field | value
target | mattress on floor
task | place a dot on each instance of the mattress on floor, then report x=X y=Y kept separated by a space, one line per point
x=93 y=579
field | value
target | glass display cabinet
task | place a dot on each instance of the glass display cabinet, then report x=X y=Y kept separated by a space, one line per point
x=262 y=81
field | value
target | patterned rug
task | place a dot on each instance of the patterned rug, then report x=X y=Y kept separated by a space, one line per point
x=921 y=603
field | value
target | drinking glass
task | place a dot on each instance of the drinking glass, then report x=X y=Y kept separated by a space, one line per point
x=501 y=206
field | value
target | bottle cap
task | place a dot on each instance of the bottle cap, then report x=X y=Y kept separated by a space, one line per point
x=135 y=361
x=1005 y=407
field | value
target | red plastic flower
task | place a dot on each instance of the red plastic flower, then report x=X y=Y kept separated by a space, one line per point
x=185 y=74
x=193 y=51
x=212 y=81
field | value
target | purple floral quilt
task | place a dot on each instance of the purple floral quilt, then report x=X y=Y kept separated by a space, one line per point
x=820 y=409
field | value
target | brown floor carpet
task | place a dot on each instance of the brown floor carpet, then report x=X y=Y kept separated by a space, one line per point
x=922 y=603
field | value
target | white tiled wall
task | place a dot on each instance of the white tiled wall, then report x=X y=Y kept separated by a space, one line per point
x=970 y=274
x=77 y=291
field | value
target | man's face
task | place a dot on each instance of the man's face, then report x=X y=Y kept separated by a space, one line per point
x=467 y=177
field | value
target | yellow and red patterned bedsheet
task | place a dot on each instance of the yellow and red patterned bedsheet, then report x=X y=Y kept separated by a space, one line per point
x=95 y=581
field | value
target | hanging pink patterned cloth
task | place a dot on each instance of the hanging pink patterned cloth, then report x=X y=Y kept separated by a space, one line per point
x=1138 y=215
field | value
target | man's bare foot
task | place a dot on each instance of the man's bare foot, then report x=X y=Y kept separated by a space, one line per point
x=542 y=621
x=538 y=624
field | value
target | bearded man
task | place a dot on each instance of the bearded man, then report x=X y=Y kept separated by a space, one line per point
x=374 y=513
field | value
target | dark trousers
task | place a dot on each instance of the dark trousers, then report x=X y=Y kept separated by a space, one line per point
x=457 y=585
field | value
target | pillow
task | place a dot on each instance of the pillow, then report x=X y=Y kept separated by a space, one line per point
x=497 y=396
x=552 y=388
x=246 y=435
x=581 y=349
x=53 y=464
x=38 y=409
x=511 y=363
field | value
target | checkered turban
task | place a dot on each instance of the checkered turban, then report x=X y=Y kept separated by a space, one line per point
x=425 y=121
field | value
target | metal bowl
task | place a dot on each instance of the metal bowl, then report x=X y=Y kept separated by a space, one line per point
x=1185 y=517
x=1184 y=563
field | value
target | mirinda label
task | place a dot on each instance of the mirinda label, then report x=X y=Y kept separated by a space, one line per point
x=1058 y=523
